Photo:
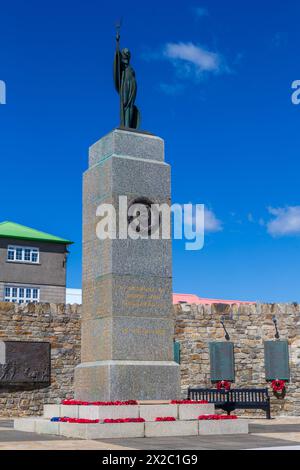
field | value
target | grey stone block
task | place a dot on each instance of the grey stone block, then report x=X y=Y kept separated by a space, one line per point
x=141 y=257
x=127 y=143
x=117 y=412
x=127 y=177
x=108 y=412
x=69 y=411
x=128 y=296
x=146 y=258
x=75 y=430
x=115 y=430
x=102 y=431
x=141 y=177
x=127 y=338
x=171 y=428
x=25 y=424
x=51 y=411
x=89 y=412
x=151 y=412
x=127 y=380
x=239 y=426
x=193 y=411
x=44 y=426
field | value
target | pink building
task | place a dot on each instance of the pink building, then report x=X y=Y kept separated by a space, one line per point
x=194 y=299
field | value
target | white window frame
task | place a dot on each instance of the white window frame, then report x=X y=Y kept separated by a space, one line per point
x=21 y=294
x=32 y=250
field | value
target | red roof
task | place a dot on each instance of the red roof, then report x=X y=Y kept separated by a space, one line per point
x=194 y=299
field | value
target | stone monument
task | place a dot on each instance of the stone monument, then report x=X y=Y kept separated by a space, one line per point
x=127 y=324
x=127 y=312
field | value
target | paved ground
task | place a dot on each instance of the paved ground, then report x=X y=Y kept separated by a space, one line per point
x=281 y=433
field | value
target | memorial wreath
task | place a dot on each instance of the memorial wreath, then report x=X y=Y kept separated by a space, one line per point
x=223 y=385
x=279 y=388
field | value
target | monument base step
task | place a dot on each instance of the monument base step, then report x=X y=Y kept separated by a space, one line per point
x=121 y=380
x=127 y=430
x=185 y=415
x=149 y=411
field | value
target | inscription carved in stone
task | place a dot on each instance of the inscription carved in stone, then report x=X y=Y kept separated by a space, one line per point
x=137 y=296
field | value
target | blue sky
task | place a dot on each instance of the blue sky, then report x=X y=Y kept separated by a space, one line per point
x=214 y=81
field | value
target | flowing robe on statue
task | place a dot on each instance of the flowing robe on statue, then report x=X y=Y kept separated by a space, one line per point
x=126 y=86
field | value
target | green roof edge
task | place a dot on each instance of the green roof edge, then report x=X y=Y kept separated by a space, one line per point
x=48 y=238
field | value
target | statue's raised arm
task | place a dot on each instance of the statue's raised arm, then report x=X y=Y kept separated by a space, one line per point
x=117 y=64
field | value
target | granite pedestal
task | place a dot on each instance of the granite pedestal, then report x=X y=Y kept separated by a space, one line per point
x=127 y=324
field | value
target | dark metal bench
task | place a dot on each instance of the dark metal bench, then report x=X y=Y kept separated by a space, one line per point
x=240 y=398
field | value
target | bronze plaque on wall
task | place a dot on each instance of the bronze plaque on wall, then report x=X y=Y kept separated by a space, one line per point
x=277 y=360
x=221 y=361
x=24 y=362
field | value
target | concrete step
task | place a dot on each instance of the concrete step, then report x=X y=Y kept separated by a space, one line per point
x=125 y=430
x=149 y=411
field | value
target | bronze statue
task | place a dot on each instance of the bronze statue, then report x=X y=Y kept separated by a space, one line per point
x=126 y=86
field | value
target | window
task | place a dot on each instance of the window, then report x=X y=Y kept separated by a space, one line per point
x=22 y=254
x=19 y=254
x=10 y=253
x=21 y=295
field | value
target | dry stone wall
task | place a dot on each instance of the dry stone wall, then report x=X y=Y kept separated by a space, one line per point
x=195 y=326
x=248 y=326
x=58 y=324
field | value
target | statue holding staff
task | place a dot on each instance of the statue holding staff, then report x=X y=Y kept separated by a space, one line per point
x=126 y=86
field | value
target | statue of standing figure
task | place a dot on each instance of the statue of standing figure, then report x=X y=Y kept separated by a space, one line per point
x=126 y=86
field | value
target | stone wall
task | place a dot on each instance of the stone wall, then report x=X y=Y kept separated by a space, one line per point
x=58 y=324
x=195 y=327
x=248 y=326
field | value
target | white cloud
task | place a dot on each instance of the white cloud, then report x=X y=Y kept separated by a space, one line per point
x=191 y=62
x=286 y=221
x=203 y=59
x=211 y=222
x=190 y=59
